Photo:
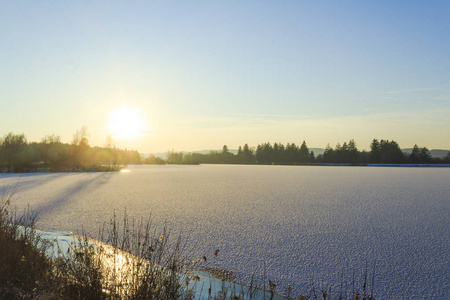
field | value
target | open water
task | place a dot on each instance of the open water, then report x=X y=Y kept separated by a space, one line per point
x=298 y=225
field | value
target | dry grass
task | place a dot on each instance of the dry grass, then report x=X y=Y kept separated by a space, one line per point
x=137 y=261
x=24 y=268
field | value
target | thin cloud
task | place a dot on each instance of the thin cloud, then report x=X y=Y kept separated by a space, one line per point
x=261 y=115
x=422 y=89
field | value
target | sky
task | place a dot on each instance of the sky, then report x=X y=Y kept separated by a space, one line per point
x=195 y=75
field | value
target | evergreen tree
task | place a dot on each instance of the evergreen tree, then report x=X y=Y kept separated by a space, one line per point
x=291 y=153
x=259 y=154
x=414 y=157
x=225 y=149
x=276 y=155
x=248 y=154
x=447 y=158
x=375 y=151
x=303 y=153
x=312 y=157
x=328 y=155
x=390 y=152
x=353 y=152
x=425 y=155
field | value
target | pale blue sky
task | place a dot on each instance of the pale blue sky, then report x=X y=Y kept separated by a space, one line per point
x=208 y=73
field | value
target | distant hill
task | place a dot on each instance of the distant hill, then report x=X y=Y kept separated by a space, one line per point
x=439 y=153
x=317 y=151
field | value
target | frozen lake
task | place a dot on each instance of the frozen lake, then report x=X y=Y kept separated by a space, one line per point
x=301 y=224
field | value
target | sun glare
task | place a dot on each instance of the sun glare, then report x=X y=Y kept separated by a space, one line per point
x=126 y=123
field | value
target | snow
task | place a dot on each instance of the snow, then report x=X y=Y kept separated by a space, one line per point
x=296 y=224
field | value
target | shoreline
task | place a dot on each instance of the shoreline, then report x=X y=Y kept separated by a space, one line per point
x=120 y=169
x=210 y=281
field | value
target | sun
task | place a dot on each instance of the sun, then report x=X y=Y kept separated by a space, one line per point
x=126 y=123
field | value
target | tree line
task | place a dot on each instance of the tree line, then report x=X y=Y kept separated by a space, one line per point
x=19 y=155
x=381 y=152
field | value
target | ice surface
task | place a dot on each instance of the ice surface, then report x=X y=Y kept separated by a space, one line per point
x=297 y=225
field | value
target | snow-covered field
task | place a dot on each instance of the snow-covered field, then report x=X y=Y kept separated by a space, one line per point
x=296 y=224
